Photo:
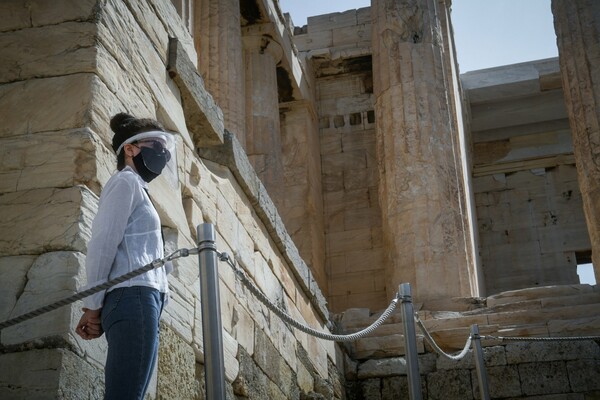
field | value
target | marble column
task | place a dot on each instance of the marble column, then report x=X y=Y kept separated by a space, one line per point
x=263 y=137
x=577 y=26
x=218 y=42
x=302 y=210
x=424 y=235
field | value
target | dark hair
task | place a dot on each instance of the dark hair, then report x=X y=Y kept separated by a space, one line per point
x=125 y=126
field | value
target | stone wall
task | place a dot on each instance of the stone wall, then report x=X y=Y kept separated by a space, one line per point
x=530 y=216
x=338 y=48
x=69 y=66
x=522 y=370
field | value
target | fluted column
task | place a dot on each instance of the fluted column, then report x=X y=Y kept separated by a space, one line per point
x=419 y=193
x=263 y=138
x=220 y=58
x=577 y=23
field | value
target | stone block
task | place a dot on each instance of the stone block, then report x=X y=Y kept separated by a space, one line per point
x=54 y=50
x=50 y=104
x=352 y=35
x=503 y=382
x=396 y=387
x=357 y=239
x=371 y=389
x=251 y=381
x=544 y=378
x=525 y=352
x=176 y=367
x=230 y=351
x=52 y=277
x=585 y=326
x=450 y=385
x=16 y=15
x=53 y=159
x=583 y=375
x=314 y=41
x=382 y=368
x=435 y=324
x=306 y=382
x=179 y=313
x=49 y=374
x=13 y=274
x=381 y=347
x=269 y=360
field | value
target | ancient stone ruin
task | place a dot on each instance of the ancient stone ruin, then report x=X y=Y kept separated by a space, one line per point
x=336 y=161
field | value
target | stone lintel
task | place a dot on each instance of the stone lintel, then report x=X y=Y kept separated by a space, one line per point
x=203 y=116
x=520 y=165
x=509 y=81
x=232 y=155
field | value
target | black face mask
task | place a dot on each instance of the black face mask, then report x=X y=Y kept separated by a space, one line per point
x=150 y=161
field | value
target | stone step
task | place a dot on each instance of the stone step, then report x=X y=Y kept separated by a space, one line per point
x=515 y=296
x=382 y=346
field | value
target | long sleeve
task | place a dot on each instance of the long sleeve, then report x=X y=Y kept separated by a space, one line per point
x=115 y=207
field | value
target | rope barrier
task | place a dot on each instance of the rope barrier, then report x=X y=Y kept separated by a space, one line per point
x=98 y=288
x=437 y=348
x=241 y=274
x=539 y=339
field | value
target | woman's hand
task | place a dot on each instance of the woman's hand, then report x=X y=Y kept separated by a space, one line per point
x=89 y=326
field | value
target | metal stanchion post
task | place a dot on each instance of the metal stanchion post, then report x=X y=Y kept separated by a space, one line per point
x=410 y=342
x=479 y=364
x=214 y=365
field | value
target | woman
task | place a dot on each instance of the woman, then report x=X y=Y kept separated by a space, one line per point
x=126 y=234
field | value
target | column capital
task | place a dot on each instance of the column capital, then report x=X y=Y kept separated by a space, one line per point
x=263 y=44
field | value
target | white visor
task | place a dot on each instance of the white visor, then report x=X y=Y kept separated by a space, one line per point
x=164 y=137
x=170 y=172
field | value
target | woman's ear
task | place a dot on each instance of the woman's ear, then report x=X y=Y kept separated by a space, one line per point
x=129 y=150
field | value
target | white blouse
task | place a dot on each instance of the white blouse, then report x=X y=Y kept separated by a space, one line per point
x=126 y=235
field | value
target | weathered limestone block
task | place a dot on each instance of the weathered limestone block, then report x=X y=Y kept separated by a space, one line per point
x=176 y=367
x=544 y=378
x=179 y=314
x=53 y=159
x=397 y=388
x=584 y=326
x=58 y=373
x=13 y=274
x=51 y=277
x=53 y=50
x=251 y=381
x=450 y=384
x=503 y=381
x=268 y=358
x=525 y=352
x=384 y=346
x=49 y=104
x=17 y=14
x=382 y=368
x=139 y=63
x=37 y=221
x=515 y=296
x=583 y=374
x=371 y=389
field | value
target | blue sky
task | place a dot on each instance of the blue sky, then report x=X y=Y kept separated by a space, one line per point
x=488 y=33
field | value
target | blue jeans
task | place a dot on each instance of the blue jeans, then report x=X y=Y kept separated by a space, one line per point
x=130 y=319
